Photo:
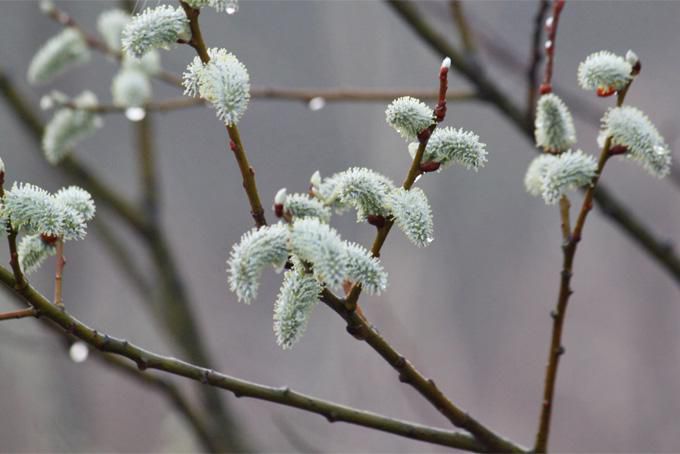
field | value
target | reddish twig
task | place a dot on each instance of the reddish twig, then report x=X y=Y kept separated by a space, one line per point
x=536 y=57
x=551 y=28
x=23 y=313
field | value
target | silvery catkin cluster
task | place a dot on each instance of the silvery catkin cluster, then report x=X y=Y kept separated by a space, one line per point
x=43 y=219
x=316 y=256
x=627 y=128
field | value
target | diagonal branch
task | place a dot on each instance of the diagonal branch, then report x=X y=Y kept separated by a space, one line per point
x=145 y=360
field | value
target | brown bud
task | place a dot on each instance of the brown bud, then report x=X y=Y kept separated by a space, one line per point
x=429 y=166
x=604 y=92
x=376 y=220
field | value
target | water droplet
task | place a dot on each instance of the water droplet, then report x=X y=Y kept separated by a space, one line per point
x=135 y=113
x=78 y=352
x=46 y=102
x=549 y=22
x=316 y=103
x=548 y=44
x=231 y=8
x=418 y=178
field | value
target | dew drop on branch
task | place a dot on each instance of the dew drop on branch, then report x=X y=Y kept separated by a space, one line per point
x=316 y=103
x=232 y=8
x=78 y=352
x=549 y=22
x=135 y=113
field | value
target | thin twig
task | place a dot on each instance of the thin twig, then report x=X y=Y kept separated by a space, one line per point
x=22 y=313
x=147 y=360
x=247 y=172
x=489 y=92
x=565 y=291
x=536 y=57
x=551 y=27
x=59 y=273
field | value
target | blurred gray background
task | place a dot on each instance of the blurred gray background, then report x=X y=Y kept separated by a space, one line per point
x=471 y=311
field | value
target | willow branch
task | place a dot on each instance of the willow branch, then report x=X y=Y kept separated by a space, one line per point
x=569 y=251
x=120 y=365
x=59 y=273
x=353 y=94
x=360 y=329
x=488 y=91
x=146 y=360
x=22 y=313
x=247 y=172
x=463 y=26
x=536 y=57
x=173 y=308
x=558 y=5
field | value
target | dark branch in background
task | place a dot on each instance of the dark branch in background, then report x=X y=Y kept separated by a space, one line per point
x=146 y=360
x=487 y=91
x=463 y=26
x=536 y=57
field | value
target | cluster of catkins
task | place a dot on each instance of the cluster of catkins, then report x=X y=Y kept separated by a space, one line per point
x=627 y=128
x=133 y=39
x=43 y=218
x=315 y=255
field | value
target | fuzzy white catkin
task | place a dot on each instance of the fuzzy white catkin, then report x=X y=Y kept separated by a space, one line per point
x=630 y=127
x=130 y=88
x=413 y=215
x=33 y=251
x=33 y=210
x=302 y=206
x=409 y=116
x=110 y=25
x=554 y=125
x=223 y=82
x=449 y=145
x=365 y=269
x=61 y=52
x=257 y=249
x=69 y=126
x=571 y=170
x=149 y=63
x=359 y=188
x=604 y=70
x=320 y=245
x=155 y=28
x=297 y=297
x=533 y=180
x=77 y=199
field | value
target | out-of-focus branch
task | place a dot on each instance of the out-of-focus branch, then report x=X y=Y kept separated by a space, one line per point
x=463 y=26
x=536 y=57
x=353 y=94
x=608 y=204
x=70 y=165
x=145 y=360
